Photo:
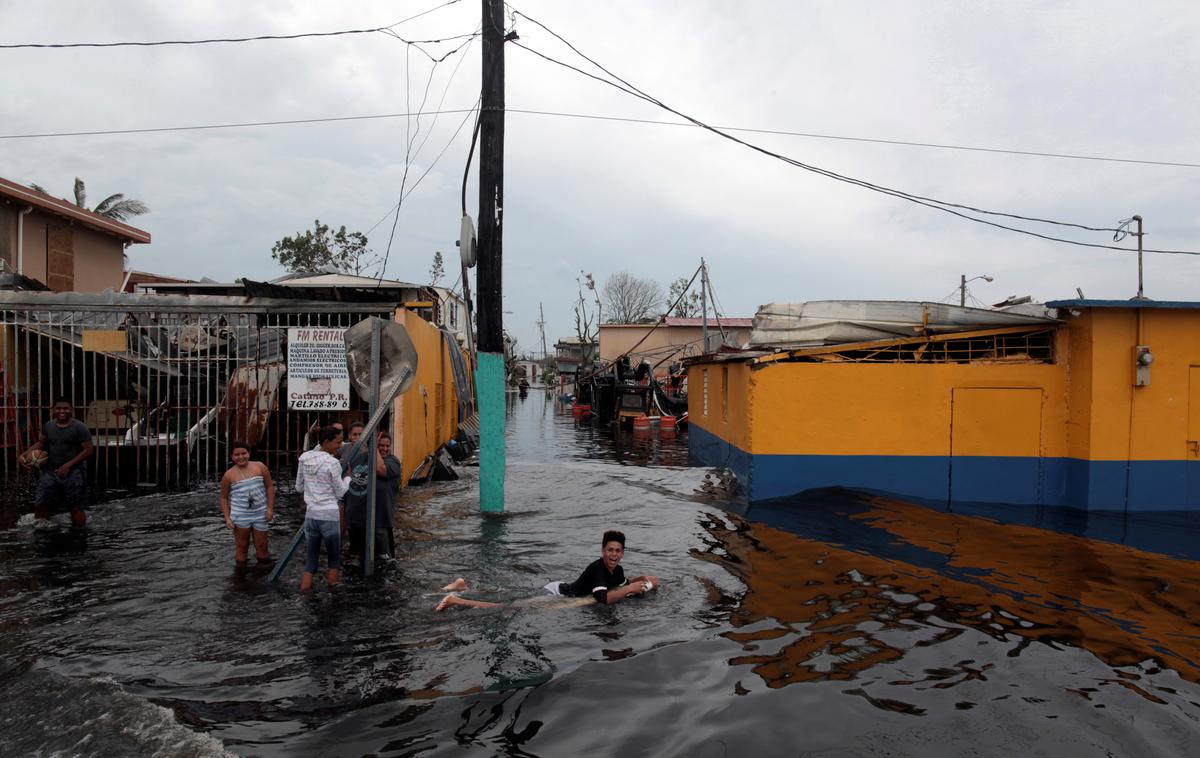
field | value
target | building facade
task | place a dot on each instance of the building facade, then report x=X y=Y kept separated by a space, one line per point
x=65 y=247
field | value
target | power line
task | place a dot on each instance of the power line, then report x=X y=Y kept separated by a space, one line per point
x=259 y=38
x=620 y=119
x=941 y=205
x=875 y=140
x=238 y=125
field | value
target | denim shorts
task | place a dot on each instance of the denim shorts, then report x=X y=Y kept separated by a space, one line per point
x=329 y=532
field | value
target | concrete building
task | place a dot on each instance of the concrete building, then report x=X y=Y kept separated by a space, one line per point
x=65 y=247
x=669 y=342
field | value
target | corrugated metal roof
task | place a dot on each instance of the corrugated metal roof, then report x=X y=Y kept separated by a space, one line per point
x=1132 y=303
x=833 y=322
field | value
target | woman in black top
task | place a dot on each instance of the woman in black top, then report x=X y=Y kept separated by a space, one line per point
x=603 y=580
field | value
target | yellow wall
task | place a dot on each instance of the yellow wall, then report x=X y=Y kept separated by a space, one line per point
x=730 y=409
x=1140 y=423
x=889 y=408
x=426 y=416
x=1090 y=408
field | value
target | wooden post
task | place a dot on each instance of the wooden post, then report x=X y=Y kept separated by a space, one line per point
x=490 y=375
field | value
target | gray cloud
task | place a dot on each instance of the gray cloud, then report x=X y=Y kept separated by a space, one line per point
x=1098 y=78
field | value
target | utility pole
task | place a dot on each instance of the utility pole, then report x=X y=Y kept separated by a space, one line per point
x=962 y=292
x=489 y=376
x=1141 y=294
x=545 y=362
x=703 y=308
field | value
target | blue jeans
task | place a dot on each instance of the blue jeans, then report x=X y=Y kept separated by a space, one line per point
x=329 y=532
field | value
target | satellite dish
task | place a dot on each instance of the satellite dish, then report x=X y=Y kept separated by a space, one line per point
x=466 y=242
x=397 y=359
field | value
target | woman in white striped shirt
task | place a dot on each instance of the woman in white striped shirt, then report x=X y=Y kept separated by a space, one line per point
x=319 y=477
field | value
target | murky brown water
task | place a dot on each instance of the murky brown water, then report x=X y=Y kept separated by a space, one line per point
x=834 y=625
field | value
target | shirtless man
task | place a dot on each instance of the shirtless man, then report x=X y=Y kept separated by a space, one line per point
x=603 y=581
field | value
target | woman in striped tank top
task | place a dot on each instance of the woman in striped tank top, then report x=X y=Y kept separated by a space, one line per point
x=248 y=502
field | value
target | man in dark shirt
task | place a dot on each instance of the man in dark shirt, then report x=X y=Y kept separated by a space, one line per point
x=603 y=581
x=66 y=444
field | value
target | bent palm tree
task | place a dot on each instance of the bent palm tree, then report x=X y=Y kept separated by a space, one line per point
x=115 y=206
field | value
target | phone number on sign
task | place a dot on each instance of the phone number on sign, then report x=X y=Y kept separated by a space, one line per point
x=324 y=404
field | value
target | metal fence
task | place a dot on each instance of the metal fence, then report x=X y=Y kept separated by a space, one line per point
x=164 y=382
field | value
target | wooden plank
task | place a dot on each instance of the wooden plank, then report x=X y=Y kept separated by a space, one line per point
x=105 y=341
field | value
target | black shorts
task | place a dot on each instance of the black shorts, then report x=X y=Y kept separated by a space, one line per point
x=70 y=492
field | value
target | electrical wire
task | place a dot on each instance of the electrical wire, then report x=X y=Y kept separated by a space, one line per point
x=434 y=163
x=942 y=205
x=264 y=37
x=620 y=119
x=846 y=138
x=655 y=325
x=285 y=122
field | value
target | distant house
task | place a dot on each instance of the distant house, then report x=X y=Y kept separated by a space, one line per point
x=67 y=248
x=671 y=341
x=573 y=352
x=438 y=305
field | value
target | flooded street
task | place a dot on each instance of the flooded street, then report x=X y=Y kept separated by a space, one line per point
x=830 y=626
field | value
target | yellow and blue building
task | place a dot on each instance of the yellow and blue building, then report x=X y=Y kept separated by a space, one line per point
x=1099 y=410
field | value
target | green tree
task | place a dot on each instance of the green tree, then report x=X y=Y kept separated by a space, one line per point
x=321 y=248
x=117 y=207
x=689 y=304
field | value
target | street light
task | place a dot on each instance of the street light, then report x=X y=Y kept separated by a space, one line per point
x=962 y=287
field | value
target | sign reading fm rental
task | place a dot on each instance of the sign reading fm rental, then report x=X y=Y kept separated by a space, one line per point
x=316 y=370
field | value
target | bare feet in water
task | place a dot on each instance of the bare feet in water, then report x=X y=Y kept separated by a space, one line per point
x=458 y=585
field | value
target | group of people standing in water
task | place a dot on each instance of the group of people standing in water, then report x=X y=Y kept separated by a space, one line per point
x=334 y=481
x=335 y=491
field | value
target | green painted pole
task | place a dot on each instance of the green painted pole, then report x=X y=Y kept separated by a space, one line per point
x=489 y=371
x=489 y=387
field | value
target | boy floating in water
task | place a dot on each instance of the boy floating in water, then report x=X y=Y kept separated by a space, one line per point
x=603 y=581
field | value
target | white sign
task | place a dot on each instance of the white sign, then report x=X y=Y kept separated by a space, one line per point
x=316 y=370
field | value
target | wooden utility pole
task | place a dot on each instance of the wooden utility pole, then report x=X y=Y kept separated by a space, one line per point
x=490 y=374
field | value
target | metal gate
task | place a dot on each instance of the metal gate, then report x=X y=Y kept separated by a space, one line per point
x=164 y=382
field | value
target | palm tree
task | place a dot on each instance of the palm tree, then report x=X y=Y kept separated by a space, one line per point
x=115 y=206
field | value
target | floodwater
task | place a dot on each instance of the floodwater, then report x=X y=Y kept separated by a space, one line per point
x=830 y=626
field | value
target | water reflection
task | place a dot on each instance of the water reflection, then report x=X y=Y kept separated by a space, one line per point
x=883 y=578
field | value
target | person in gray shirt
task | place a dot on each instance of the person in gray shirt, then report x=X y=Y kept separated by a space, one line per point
x=61 y=453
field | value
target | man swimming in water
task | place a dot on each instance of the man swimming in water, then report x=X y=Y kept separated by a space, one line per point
x=603 y=581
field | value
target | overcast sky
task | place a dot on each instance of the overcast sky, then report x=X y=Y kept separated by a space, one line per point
x=1103 y=79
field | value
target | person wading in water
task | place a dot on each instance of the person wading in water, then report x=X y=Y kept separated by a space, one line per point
x=248 y=503
x=61 y=451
